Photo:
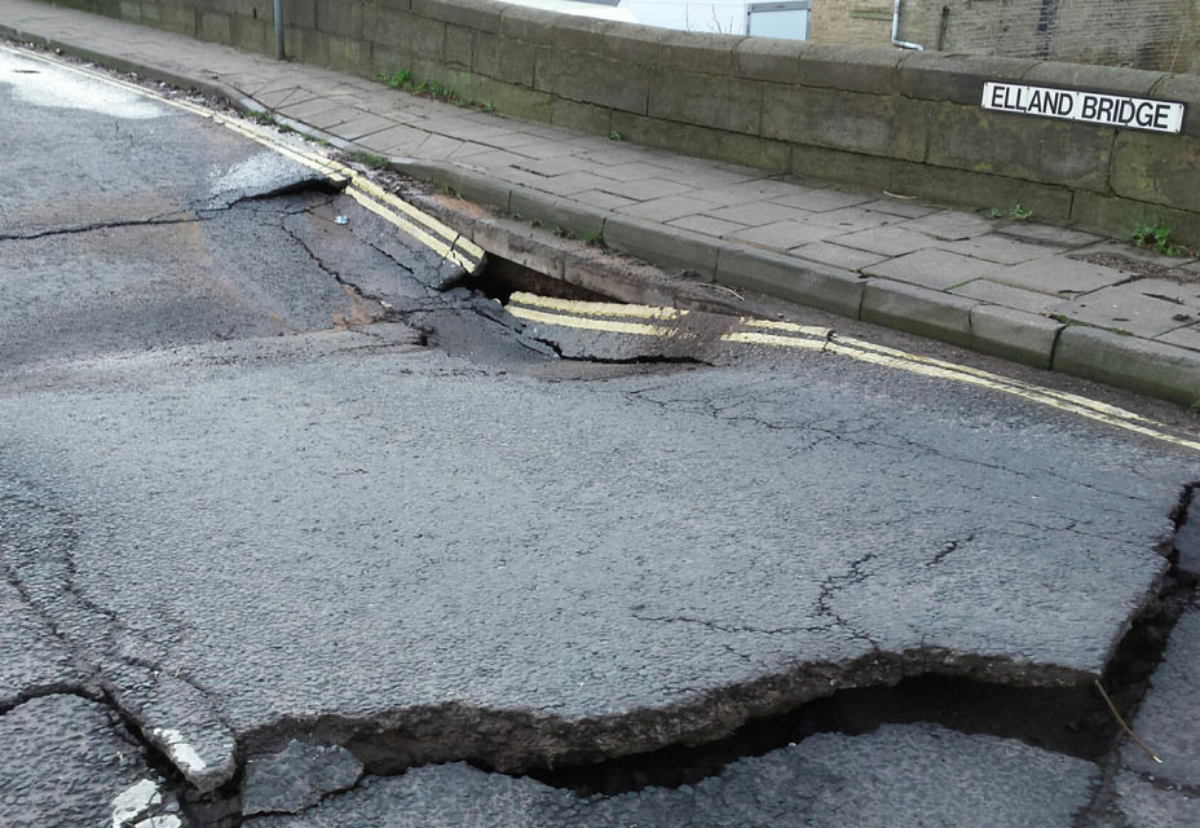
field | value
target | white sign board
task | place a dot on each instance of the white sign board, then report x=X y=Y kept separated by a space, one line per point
x=1088 y=107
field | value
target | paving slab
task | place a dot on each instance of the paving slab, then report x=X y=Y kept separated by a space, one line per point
x=837 y=255
x=603 y=200
x=852 y=219
x=932 y=268
x=65 y=761
x=899 y=775
x=1059 y=275
x=952 y=226
x=821 y=201
x=997 y=248
x=1136 y=307
x=1010 y=297
x=708 y=225
x=632 y=171
x=1186 y=337
x=665 y=209
x=398 y=140
x=1051 y=235
x=887 y=241
x=758 y=213
x=900 y=207
x=642 y=189
x=783 y=235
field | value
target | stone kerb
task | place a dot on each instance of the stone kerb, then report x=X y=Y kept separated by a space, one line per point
x=887 y=118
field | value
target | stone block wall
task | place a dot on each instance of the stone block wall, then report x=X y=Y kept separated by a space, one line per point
x=890 y=119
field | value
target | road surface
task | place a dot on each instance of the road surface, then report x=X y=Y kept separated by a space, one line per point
x=300 y=528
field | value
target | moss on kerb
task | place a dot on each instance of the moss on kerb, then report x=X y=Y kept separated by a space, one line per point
x=892 y=110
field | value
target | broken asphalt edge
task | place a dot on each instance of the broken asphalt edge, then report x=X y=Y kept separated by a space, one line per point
x=1122 y=361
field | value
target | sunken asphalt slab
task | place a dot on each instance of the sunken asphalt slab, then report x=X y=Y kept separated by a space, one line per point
x=899 y=775
x=1009 y=288
x=543 y=572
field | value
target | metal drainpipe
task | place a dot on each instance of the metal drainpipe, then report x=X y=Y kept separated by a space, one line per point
x=279 y=29
x=896 y=41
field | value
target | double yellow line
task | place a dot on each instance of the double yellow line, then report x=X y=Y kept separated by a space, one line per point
x=643 y=320
x=441 y=239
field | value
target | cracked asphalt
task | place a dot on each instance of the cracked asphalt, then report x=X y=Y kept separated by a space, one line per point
x=287 y=508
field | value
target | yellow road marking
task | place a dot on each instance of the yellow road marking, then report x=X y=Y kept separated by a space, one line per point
x=1074 y=399
x=334 y=170
x=747 y=338
x=635 y=328
x=823 y=339
x=595 y=308
x=436 y=245
x=807 y=330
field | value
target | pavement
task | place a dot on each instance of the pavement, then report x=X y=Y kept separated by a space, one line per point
x=259 y=573
x=1048 y=296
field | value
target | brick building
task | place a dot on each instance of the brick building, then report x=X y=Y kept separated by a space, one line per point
x=1148 y=34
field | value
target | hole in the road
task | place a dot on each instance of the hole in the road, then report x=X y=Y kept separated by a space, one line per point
x=501 y=278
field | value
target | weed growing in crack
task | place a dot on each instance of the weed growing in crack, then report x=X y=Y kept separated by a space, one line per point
x=261 y=118
x=1159 y=238
x=615 y=136
x=594 y=238
x=375 y=162
x=400 y=79
x=1016 y=213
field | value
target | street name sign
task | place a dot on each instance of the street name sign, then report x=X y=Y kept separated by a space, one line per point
x=1088 y=107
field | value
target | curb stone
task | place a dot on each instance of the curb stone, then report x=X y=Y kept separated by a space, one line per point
x=1156 y=369
x=1141 y=365
x=919 y=310
x=1016 y=335
x=827 y=288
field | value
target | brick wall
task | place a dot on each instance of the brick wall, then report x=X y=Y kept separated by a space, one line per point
x=1147 y=34
x=865 y=22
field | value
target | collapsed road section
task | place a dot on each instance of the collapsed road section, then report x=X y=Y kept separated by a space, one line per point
x=267 y=547
x=424 y=560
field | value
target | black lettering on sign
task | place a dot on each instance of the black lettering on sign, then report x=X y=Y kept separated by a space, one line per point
x=1162 y=115
x=1090 y=102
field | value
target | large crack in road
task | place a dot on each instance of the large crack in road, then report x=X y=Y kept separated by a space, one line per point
x=703 y=742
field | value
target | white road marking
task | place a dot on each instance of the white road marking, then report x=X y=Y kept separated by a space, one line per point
x=181 y=753
x=133 y=802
